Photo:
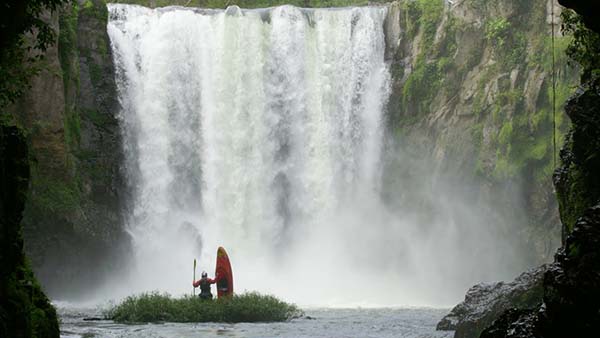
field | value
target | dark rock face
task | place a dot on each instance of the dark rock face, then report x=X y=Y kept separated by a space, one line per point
x=513 y=323
x=571 y=291
x=572 y=283
x=484 y=303
x=571 y=302
x=99 y=232
x=24 y=309
x=73 y=214
x=577 y=181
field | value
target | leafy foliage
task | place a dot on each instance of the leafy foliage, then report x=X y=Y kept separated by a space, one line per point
x=426 y=77
x=584 y=48
x=247 y=307
x=19 y=57
x=509 y=46
x=498 y=30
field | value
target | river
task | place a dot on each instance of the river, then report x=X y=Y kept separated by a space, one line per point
x=357 y=322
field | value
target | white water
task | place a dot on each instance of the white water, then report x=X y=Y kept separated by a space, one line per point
x=325 y=323
x=262 y=131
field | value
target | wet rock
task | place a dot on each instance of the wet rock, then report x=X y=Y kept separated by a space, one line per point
x=485 y=302
x=513 y=323
x=571 y=290
x=74 y=215
x=577 y=181
x=25 y=311
x=572 y=284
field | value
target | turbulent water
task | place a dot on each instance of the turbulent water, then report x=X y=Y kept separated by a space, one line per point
x=263 y=131
x=405 y=323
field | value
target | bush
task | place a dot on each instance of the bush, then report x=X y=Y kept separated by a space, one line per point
x=584 y=48
x=247 y=307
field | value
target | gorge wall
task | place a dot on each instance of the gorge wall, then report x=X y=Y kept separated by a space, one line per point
x=72 y=219
x=470 y=103
x=571 y=285
x=25 y=311
x=473 y=89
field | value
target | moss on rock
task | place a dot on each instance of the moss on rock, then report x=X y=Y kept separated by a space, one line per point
x=484 y=68
x=24 y=309
x=577 y=181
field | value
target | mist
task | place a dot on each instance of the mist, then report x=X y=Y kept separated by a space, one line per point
x=264 y=131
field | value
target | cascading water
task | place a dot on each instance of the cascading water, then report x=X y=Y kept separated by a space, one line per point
x=262 y=131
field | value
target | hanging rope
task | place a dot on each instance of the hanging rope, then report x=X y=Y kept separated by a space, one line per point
x=553 y=90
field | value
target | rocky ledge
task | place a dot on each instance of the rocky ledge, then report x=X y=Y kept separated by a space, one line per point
x=485 y=302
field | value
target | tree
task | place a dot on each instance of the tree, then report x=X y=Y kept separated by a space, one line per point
x=584 y=49
x=19 y=55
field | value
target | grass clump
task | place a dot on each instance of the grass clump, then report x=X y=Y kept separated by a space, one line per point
x=247 y=307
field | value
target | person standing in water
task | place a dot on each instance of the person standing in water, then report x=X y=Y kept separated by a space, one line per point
x=204 y=283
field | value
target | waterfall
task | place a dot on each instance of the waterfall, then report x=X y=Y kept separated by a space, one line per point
x=262 y=131
x=249 y=129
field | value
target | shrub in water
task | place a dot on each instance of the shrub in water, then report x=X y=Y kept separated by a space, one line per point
x=247 y=307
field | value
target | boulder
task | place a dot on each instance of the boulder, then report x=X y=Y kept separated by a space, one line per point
x=513 y=323
x=485 y=302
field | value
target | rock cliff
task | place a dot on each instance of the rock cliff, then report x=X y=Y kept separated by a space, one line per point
x=470 y=97
x=485 y=302
x=72 y=221
x=571 y=301
x=24 y=309
x=472 y=94
x=571 y=284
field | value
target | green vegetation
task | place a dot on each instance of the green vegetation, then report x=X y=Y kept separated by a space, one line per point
x=34 y=310
x=572 y=196
x=54 y=195
x=72 y=128
x=577 y=185
x=524 y=140
x=24 y=309
x=19 y=60
x=509 y=44
x=420 y=86
x=69 y=62
x=427 y=75
x=483 y=95
x=497 y=30
x=584 y=48
x=67 y=45
x=247 y=307
x=430 y=15
x=96 y=54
